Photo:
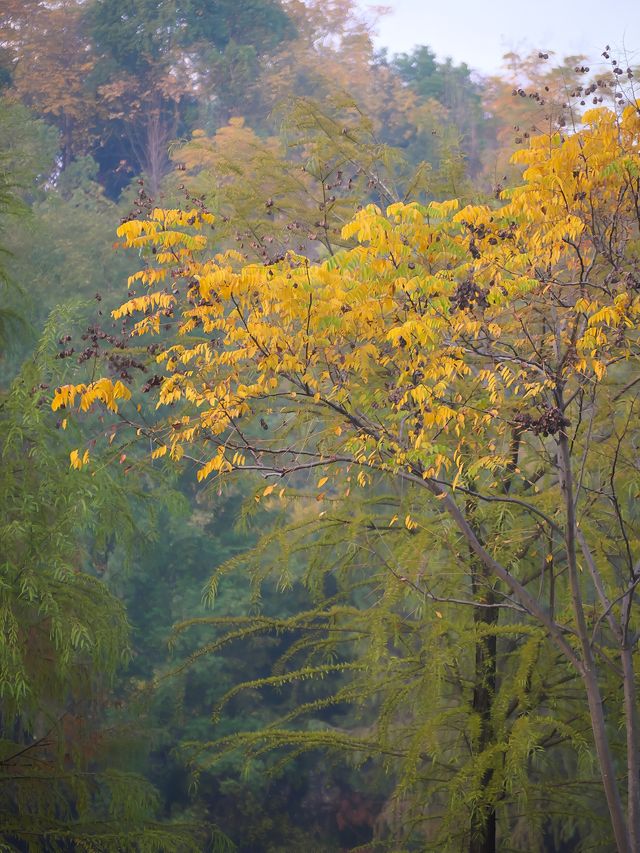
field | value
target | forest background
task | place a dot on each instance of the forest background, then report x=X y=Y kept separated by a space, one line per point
x=133 y=715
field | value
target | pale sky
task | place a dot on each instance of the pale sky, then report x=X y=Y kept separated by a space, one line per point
x=479 y=33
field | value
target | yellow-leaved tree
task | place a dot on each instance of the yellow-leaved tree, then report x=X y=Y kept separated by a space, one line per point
x=484 y=357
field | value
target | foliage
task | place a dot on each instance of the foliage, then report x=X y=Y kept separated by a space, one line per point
x=18 y=174
x=379 y=672
x=123 y=81
x=154 y=59
x=453 y=87
x=118 y=79
x=256 y=810
x=56 y=266
x=538 y=94
x=51 y=61
x=136 y=34
x=100 y=92
x=64 y=634
x=47 y=596
x=295 y=191
x=475 y=356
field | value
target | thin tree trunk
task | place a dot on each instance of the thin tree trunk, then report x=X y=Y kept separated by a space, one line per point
x=483 y=824
x=589 y=672
x=67 y=142
x=585 y=666
x=482 y=829
x=156 y=153
x=633 y=762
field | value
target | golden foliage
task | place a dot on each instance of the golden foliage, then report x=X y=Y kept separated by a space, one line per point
x=418 y=348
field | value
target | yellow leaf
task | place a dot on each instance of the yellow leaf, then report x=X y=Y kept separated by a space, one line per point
x=77 y=461
x=322 y=481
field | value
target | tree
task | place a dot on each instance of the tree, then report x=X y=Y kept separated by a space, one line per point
x=381 y=675
x=60 y=269
x=257 y=811
x=537 y=94
x=19 y=177
x=484 y=356
x=64 y=634
x=51 y=60
x=333 y=56
x=155 y=58
x=298 y=190
x=451 y=86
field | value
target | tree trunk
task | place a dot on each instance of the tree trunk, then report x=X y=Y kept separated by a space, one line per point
x=584 y=666
x=633 y=763
x=482 y=830
x=482 y=837
x=589 y=673
x=157 y=140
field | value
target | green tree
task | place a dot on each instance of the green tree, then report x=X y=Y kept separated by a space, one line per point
x=27 y=148
x=257 y=811
x=68 y=778
x=64 y=635
x=154 y=63
x=454 y=87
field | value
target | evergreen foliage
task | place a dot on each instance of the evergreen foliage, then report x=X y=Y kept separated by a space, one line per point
x=380 y=672
x=453 y=87
x=63 y=637
x=19 y=170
